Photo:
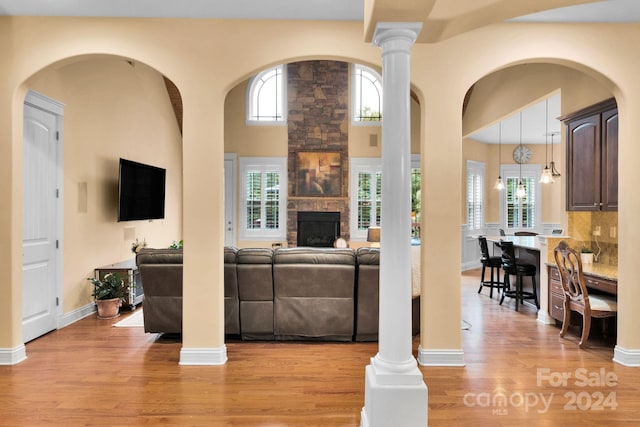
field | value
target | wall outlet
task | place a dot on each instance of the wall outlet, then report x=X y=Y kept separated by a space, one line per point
x=613 y=231
x=596 y=230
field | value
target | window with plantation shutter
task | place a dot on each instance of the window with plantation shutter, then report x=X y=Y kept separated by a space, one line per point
x=521 y=213
x=263 y=214
x=475 y=195
x=366 y=196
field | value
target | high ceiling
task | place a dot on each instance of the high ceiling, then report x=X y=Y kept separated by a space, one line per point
x=441 y=19
x=349 y=10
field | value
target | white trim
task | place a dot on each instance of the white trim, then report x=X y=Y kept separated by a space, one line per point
x=371 y=165
x=13 y=356
x=278 y=164
x=353 y=102
x=78 y=314
x=533 y=170
x=477 y=169
x=231 y=198
x=440 y=357
x=43 y=102
x=626 y=357
x=203 y=356
x=283 y=98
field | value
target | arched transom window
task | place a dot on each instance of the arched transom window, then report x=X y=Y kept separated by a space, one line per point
x=367 y=95
x=266 y=95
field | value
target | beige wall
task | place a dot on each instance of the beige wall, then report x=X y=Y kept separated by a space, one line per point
x=271 y=141
x=112 y=110
x=207 y=58
x=508 y=90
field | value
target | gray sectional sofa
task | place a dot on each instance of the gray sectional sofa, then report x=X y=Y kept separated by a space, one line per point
x=318 y=294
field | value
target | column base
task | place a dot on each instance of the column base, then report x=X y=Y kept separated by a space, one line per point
x=203 y=356
x=399 y=402
x=626 y=356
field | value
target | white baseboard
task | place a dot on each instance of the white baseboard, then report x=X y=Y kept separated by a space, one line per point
x=13 y=356
x=203 y=356
x=626 y=357
x=440 y=357
x=73 y=316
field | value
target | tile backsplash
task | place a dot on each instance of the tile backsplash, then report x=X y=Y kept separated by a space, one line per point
x=581 y=227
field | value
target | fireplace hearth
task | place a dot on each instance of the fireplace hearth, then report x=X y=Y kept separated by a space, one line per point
x=318 y=229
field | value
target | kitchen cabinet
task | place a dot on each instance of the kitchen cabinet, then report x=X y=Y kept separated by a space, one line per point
x=592 y=158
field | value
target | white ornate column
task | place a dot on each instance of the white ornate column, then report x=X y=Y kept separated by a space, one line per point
x=395 y=393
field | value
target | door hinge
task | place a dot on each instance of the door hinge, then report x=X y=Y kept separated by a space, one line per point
x=57 y=301
x=57 y=136
x=57 y=193
x=57 y=244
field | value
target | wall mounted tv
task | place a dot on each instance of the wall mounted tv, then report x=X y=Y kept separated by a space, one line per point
x=140 y=191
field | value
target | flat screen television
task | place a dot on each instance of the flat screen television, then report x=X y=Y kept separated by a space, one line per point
x=141 y=190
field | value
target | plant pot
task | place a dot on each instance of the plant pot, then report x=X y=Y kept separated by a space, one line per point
x=108 y=308
x=586 y=258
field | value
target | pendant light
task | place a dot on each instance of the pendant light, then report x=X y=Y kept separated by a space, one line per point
x=546 y=177
x=552 y=164
x=520 y=190
x=499 y=185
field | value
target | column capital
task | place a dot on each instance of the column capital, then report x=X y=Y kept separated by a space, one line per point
x=386 y=31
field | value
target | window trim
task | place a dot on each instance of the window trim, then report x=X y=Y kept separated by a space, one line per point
x=353 y=102
x=251 y=87
x=278 y=164
x=530 y=170
x=477 y=169
x=370 y=165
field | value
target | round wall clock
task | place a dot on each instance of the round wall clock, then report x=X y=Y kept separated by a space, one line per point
x=522 y=154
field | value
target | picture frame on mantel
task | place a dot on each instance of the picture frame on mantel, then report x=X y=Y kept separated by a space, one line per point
x=318 y=173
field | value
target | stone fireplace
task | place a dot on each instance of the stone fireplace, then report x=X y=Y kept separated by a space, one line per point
x=318 y=94
x=318 y=229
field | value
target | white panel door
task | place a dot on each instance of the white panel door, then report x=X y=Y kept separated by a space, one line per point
x=229 y=202
x=39 y=223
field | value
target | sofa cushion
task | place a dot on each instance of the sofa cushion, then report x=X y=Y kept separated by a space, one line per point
x=314 y=293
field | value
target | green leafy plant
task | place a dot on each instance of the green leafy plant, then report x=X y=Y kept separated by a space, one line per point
x=176 y=245
x=111 y=286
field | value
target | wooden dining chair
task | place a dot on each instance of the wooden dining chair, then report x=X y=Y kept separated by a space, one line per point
x=576 y=296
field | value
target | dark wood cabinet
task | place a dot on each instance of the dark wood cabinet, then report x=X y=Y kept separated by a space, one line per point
x=592 y=158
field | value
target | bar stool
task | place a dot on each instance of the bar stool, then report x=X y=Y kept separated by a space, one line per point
x=512 y=267
x=494 y=263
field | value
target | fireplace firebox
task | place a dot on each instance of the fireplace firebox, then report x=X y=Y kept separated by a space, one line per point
x=318 y=229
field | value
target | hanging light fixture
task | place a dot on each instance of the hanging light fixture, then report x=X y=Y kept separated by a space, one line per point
x=499 y=185
x=520 y=189
x=552 y=164
x=547 y=177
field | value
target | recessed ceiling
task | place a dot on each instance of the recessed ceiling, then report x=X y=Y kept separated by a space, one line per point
x=536 y=123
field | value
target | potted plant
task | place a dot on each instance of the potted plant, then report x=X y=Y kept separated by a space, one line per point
x=586 y=255
x=109 y=293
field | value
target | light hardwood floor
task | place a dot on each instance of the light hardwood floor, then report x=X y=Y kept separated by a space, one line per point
x=91 y=374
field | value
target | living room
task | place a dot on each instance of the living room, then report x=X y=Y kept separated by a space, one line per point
x=206 y=59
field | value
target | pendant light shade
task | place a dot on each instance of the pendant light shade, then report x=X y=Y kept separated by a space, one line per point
x=499 y=185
